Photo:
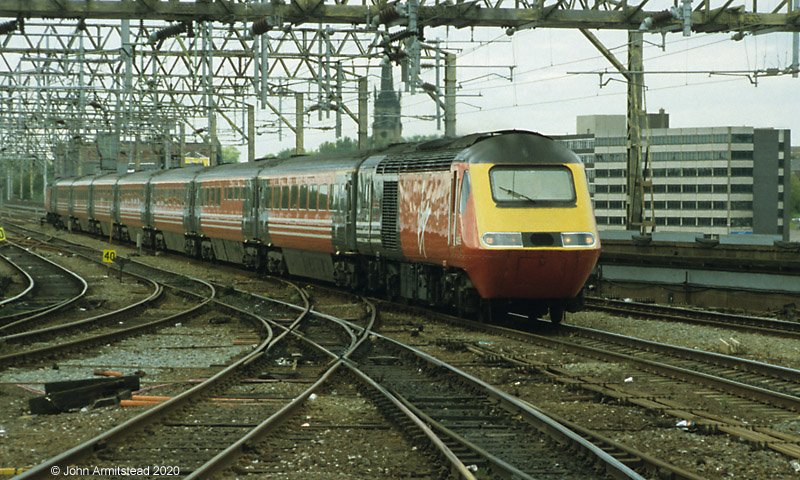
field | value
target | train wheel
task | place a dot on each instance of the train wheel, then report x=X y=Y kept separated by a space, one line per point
x=556 y=314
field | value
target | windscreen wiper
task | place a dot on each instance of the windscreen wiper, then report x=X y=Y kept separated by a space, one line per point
x=514 y=192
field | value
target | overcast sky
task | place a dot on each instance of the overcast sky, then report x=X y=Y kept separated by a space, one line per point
x=544 y=96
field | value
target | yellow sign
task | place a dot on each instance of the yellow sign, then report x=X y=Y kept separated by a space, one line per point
x=2 y=234
x=109 y=256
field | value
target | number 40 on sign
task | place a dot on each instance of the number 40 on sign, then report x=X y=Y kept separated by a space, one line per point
x=109 y=256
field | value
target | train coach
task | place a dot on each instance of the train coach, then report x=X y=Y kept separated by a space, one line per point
x=484 y=224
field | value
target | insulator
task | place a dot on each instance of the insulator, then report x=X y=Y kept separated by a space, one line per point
x=165 y=33
x=427 y=65
x=261 y=26
x=388 y=14
x=428 y=87
x=405 y=33
x=8 y=27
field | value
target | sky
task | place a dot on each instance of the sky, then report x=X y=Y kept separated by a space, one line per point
x=549 y=88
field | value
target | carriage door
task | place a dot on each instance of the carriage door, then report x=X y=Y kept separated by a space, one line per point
x=452 y=213
x=188 y=208
x=343 y=214
x=249 y=208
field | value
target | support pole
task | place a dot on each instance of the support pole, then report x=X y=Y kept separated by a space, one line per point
x=251 y=133
x=450 y=95
x=299 y=123
x=363 y=114
x=634 y=191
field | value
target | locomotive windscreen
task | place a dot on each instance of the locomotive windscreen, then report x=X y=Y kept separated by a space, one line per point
x=522 y=186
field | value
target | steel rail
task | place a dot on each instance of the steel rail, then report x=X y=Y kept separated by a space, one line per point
x=123 y=312
x=37 y=314
x=157 y=412
x=742 y=323
x=27 y=289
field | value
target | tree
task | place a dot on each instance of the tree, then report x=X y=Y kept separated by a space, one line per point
x=230 y=154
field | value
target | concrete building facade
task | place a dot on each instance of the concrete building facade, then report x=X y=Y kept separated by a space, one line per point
x=716 y=180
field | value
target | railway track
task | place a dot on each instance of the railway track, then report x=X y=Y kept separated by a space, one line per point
x=51 y=288
x=742 y=323
x=765 y=392
x=187 y=298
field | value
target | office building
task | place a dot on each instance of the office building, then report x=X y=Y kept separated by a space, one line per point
x=714 y=180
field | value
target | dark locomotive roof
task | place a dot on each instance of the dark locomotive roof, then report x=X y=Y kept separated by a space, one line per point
x=517 y=147
x=508 y=146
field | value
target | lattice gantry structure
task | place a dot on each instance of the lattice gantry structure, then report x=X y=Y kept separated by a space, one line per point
x=161 y=74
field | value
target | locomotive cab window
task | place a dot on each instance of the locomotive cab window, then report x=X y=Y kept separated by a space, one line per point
x=529 y=186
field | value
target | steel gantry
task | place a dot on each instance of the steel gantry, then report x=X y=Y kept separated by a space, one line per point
x=168 y=64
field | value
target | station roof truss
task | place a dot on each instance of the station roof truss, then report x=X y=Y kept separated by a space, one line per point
x=71 y=68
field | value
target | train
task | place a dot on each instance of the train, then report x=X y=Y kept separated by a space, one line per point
x=483 y=225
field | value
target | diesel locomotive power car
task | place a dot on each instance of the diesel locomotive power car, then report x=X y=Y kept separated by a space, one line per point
x=483 y=224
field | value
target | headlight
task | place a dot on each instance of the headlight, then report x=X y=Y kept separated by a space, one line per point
x=578 y=239
x=505 y=239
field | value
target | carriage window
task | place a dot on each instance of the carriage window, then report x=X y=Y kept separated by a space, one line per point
x=323 y=197
x=526 y=186
x=285 y=196
x=267 y=197
x=312 y=197
x=303 y=197
x=218 y=196
x=293 y=202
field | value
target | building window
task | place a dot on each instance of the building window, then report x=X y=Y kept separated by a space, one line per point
x=674 y=204
x=742 y=155
x=689 y=205
x=704 y=222
x=690 y=189
x=689 y=222
x=720 y=222
x=719 y=205
x=720 y=188
x=741 y=172
x=705 y=188
x=673 y=221
x=719 y=172
x=704 y=205
x=741 y=188
x=673 y=189
x=742 y=138
x=741 y=205
x=741 y=222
